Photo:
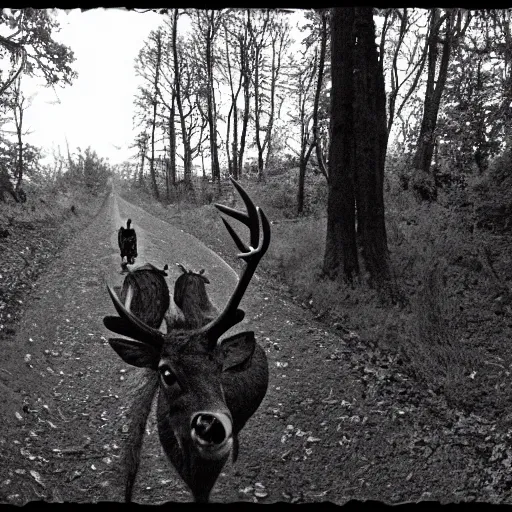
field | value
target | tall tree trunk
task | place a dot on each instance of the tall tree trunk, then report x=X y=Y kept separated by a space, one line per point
x=321 y=66
x=142 y=148
x=258 y=42
x=18 y=110
x=135 y=177
x=273 y=83
x=212 y=118
x=152 y=161
x=245 y=122
x=246 y=83
x=341 y=247
x=358 y=149
x=141 y=173
x=228 y=138
x=19 y=129
x=279 y=37
x=422 y=160
x=172 y=149
x=302 y=179
x=231 y=151
x=370 y=137
x=257 y=114
x=306 y=146
x=155 y=106
x=187 y=157
x=236 y=172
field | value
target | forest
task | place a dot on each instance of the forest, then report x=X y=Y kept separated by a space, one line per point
x=378 y=141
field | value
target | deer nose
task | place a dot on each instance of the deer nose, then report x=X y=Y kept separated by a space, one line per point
x=212 y=433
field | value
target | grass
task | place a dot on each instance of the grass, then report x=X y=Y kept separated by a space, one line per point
x=45 y=205
x=32 y=236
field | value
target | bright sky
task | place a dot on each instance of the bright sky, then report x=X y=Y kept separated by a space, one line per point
x=97 y=109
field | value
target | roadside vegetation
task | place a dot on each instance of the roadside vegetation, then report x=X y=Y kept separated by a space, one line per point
x=32 y=233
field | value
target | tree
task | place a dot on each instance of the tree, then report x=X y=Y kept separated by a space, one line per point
x=269 y=39
x=475 y=112
x=178 y=67
x=236 y=41
x=455 y=22
x=154 y=101
x=317 y=129
x=411 y=54
x=19 y=105
x=141 y=143
x=259 y=36
x=237 y=70
x=304 y=76
x=148 y=67
x=207 y=25
x=87 y=168
x=280 y=43
x=308 y=83
x=33 y=50
x=188 y=92
x=357 y=150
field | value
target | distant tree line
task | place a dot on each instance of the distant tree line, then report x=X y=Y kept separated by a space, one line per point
x=218 y=89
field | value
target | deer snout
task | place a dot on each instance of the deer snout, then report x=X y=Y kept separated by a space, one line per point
x=212 y=434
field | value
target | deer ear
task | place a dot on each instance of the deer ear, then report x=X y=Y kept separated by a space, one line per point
x=237 y=350
x=136 y=353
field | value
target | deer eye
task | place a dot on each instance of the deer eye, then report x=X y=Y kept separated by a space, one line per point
x=167 y=375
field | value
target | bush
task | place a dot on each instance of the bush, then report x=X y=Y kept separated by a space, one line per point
x=282 y=195
x=492 y=194
x=424 y=186
x=434 y=349
x=296 y=253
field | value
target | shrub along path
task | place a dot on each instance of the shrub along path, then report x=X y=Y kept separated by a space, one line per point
x=340 y=420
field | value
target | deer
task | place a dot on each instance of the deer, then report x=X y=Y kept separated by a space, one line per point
x=146 y=294
x=193 y=308
x=208 y=387
x=127 y=241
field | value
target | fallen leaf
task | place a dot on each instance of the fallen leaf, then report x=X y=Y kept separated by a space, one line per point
x=37 y=477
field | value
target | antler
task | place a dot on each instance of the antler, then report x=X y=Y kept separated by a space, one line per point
x=252 y=255
x=127 y=324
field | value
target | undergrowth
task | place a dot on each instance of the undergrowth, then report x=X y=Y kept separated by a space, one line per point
x=32 y=234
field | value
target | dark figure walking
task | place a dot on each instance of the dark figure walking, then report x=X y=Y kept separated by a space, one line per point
x=127 y=239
